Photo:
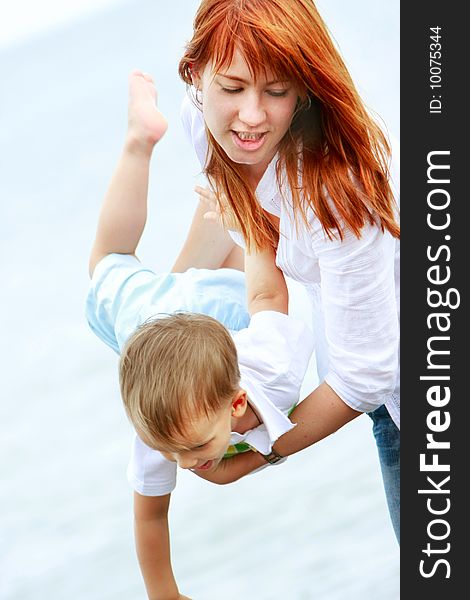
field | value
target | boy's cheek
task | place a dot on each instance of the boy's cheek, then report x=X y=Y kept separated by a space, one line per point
x=168 y=456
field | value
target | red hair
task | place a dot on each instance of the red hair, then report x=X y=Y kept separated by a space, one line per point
x=343 y=153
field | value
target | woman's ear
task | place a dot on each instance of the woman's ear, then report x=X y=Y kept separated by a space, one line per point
x=195 y=77
x=239 y=404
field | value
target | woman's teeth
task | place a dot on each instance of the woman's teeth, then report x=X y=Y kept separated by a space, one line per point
x=249 y=136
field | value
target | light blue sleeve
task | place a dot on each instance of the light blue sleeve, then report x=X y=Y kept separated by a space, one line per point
x=117 y=299
x=123 y=294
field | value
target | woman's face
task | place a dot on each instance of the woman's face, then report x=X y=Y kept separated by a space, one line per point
x=247 y=117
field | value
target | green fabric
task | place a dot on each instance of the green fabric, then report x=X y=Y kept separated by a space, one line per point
x=241 y=447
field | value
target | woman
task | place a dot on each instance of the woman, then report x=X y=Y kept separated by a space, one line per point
x=297 y=163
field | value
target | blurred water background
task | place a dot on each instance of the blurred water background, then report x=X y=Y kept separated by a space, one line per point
x=314 y=528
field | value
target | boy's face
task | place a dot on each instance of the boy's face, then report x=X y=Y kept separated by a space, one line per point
x=208 y=438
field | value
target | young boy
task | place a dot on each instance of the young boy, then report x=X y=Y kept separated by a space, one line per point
x=194 y=392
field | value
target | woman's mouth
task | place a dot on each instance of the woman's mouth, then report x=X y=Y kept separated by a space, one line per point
x=247 y=140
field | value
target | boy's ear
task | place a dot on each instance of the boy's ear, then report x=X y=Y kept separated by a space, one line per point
x=239 y=404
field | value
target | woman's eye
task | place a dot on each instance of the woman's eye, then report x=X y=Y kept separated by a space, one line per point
x=232 y=90
x=277 y=93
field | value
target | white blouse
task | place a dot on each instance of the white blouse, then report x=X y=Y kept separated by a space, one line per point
x=353 y=285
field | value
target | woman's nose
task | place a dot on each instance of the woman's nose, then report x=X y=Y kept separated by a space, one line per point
x=251 y=111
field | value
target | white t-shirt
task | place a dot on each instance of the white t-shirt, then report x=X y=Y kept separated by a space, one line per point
x=273 y=349
x=273 y=355
x=353 y=286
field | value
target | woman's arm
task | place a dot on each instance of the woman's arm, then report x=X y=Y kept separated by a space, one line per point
x=318 y=416
x=360 y=315
x=266 y=287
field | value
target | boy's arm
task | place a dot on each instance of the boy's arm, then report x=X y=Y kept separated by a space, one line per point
x=266 y=287
x=208 y=245
x=153 y=546
x=124 y=210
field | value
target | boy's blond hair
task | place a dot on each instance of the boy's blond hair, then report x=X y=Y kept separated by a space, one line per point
x=174 y=369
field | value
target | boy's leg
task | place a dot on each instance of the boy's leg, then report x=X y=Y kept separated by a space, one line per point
x=124 y=210
x=387 y=437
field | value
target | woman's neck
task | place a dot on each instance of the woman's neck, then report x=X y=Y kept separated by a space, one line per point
x=253 y=174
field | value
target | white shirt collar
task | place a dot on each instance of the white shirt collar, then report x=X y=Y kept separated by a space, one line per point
x=275 y=422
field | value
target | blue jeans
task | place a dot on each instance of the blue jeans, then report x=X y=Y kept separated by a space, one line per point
x=387 y=437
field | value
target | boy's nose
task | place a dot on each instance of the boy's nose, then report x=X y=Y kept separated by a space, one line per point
x=186 y=462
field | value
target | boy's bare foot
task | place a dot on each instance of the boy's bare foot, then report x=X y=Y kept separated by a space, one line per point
x=146 y=124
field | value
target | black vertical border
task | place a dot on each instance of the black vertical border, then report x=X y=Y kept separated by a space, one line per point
x=423 y=132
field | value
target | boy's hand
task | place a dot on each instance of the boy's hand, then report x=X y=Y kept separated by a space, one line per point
x=146 y=124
